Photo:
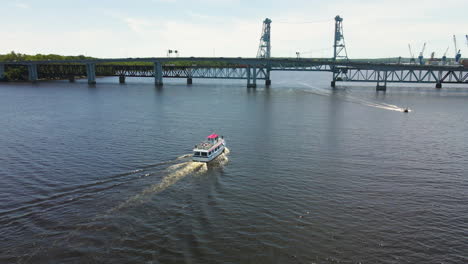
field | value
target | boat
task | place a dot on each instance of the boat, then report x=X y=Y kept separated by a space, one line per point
x=405 y=110
x=209 y=149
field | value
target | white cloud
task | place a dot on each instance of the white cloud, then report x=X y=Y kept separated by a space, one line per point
x=21 y=5
x=164 y=1
x=372 y=29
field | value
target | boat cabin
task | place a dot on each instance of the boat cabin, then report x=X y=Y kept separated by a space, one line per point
x=213 y=138
x=209 y=149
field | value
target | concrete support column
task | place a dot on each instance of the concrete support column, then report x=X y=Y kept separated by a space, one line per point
x=91 y=73
x=380 y=87
x=267 y=79
x=121 y=79
x=333 y=82
x=189 y=76
x=251 y=80
x=2 y=71
x=254 y=83
x=438 y=85
x=158 y=73
x=32 y=72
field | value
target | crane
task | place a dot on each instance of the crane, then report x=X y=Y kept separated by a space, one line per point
x=412 y=60
x=444 y=58
x=457 y=52
x=421 y=54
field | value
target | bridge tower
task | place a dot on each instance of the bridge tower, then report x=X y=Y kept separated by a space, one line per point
x=264 y=49
x=339 y=47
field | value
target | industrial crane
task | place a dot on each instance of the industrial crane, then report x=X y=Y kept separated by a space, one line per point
x=412 y=60
x=444 y=58
x=457 y=52
x=421 y=54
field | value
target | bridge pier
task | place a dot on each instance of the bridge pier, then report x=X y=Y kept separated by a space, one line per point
x=251 y=82
x=254 y=77
x=158 y=73
x=380 y=87
x=121 y=79
x=2 y=72
x=32 y=72
x=267 y=79
x=335 y=75
x=189 y=76
x=439 y=85
x=91 y=73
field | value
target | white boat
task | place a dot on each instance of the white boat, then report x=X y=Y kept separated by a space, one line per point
x=208 y=150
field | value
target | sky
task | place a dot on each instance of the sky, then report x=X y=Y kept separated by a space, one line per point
x=230 y=28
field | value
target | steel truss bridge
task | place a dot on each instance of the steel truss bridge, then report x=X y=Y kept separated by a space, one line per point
x=250 y=69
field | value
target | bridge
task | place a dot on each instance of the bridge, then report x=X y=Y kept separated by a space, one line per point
x=249 y=69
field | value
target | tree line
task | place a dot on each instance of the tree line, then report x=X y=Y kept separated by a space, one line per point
x=20 y=73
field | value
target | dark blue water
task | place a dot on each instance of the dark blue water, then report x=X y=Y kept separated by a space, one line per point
x=92 y=174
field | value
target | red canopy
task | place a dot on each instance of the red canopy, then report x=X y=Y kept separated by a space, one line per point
x=212 y=136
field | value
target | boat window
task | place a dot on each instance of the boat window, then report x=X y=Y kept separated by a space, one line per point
x=203 y=154
x=197 y=154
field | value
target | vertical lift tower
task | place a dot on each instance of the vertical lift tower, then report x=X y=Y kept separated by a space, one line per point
x=264 y=49
x=339 y=48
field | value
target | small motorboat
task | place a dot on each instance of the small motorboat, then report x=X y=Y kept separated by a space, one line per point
x=209 y=149
x=406 y=110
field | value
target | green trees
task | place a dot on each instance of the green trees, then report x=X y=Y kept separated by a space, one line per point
x=20 y=73
x=13 y=56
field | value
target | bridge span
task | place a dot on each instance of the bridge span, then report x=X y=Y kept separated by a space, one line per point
x=249 y=69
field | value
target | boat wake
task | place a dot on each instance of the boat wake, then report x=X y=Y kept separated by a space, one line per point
x=184 y=156
x=222 y=159
x=352 y=99
x=176 y=173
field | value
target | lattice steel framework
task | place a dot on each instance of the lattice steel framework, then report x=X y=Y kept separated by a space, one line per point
x=403 y=76
x=252 y=69
x=63 y=71
x=264 y=49
x=339 y=47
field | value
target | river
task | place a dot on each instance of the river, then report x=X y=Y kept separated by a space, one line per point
x=102 y=174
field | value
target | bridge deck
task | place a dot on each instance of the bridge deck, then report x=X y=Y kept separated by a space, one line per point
x=251 y=69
